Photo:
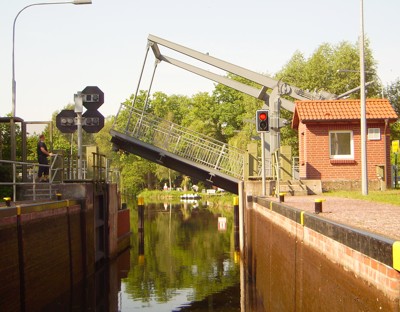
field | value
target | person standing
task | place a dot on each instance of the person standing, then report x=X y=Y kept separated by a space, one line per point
x=43 y=153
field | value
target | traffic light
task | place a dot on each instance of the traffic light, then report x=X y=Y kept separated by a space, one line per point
x=262 y=120
x=93 y=121
x=65 y=121
x=92 y=97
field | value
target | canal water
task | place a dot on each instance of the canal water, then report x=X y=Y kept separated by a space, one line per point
x=183 y=261
x=183 y=258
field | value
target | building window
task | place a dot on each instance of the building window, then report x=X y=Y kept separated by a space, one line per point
x=374 y=133
x=341 y=145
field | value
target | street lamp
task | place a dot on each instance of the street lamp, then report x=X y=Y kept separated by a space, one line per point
x=14 y=84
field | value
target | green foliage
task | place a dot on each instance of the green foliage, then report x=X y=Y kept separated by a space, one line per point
x=5 y=141
x=392 y=93
x=334 y=69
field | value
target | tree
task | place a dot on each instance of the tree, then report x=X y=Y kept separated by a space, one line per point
x=322 y=71
x=203 y=116
x=392 y=92
x=185 y=183
x=331 y=68
x=172 y=108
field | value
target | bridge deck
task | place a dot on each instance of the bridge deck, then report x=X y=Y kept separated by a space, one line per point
x=178 y=148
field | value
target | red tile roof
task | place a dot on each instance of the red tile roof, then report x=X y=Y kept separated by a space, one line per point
x=341 y=110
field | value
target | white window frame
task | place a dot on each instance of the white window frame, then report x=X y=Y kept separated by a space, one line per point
x=374 y=134
x=349 y=156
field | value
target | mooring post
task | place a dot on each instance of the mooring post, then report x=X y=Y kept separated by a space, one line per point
x=8 y=201
x=236 y=222
x=140 y=214
x=318 y=205
x=141 y=229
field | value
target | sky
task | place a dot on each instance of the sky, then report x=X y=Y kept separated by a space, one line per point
x=61 y=49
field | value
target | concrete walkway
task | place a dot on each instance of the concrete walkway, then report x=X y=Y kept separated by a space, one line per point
x=379 y=218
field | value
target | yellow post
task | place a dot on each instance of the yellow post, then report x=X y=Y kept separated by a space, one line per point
x=396 y=255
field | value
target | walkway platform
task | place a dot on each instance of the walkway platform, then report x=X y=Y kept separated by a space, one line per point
x=379 y=218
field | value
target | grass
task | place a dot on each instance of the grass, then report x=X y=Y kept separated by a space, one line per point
x=391 y=196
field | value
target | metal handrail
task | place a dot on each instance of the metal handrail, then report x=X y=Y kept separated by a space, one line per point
x=14 y=181
x=180 y=141
x=276 y=170
x=101 y=172
x=295 y=168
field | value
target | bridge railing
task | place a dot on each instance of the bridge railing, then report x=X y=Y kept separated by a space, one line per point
x=180 y=141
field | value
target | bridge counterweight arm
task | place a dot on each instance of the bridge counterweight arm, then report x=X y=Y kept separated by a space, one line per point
x=218 y=63
x=254 y=92
x=264 y=81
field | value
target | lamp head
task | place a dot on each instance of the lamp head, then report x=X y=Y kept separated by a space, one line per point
x=82 y=2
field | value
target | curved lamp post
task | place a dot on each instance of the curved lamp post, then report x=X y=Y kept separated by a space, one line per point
x=14 y=84
x=364 y=164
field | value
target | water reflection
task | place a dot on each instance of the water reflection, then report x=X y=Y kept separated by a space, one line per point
x=182 y=262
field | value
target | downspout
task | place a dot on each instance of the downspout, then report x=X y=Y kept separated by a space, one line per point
x=387 y=164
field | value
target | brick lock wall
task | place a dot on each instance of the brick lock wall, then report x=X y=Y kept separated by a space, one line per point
x=373 y=272
x=315 y=162
x=46 y=256
x=78 y=270
x=53 y=253
x=9 y=272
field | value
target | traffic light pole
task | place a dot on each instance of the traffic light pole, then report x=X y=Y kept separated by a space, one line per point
x=78 y=110
x=263 y=182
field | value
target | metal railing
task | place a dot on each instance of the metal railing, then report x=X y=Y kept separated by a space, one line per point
x=180 y=141
x=25 y=173
x=295 y=168
x=60 y=169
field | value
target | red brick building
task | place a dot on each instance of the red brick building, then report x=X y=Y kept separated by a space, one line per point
x=330 y=141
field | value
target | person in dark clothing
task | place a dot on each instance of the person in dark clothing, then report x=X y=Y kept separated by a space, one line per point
x=43 y=153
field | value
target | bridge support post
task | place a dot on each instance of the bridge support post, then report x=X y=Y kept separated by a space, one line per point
x=241 y=216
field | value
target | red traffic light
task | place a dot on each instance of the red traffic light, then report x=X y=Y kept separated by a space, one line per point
x=262 y=122
x=262 y=116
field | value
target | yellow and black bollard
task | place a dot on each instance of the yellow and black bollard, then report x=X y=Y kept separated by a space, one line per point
x=59 y=196
x=236 y=222
x=282 y=197
x=8 y=201
x=141 y=229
